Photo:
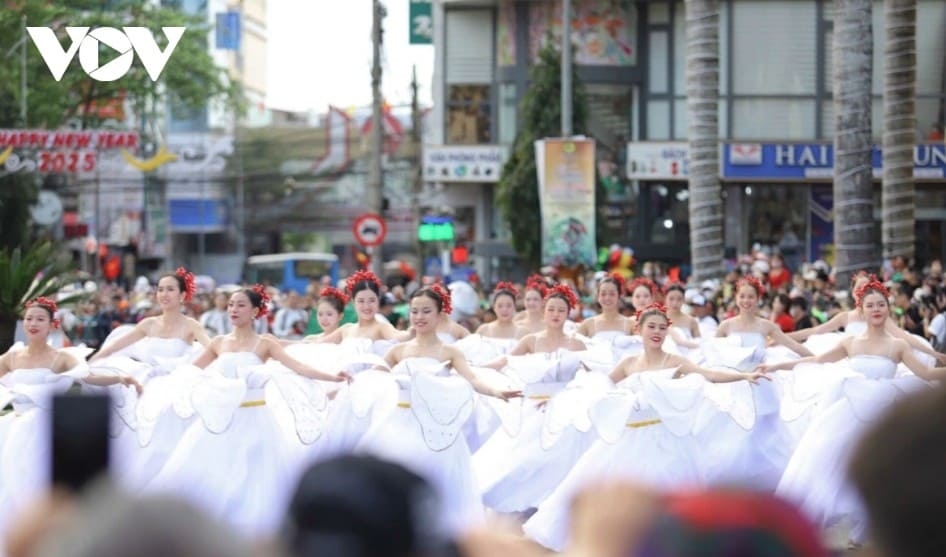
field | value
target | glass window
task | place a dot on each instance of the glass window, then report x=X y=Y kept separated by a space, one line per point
x=668 y=209
x=930 y=46
x=609 y=110
x=658 y=120
x=468 y=114
x=658 y=12
x=680 y=49
x=774 y=47
x=657 y=73
x=508 y=123
x=773 y=118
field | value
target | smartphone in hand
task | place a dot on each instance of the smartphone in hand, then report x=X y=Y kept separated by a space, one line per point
x=80 y=439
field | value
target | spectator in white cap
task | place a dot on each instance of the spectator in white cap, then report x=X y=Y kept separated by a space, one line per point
x=703 y=311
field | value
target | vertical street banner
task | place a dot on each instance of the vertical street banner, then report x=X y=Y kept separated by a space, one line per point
x=421 y=16
x=566 y=173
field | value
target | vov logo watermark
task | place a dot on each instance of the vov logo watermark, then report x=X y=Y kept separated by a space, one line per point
x=127 y=41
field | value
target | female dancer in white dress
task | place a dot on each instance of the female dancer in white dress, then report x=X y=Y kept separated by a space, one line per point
x=237 y=428
x=362 y=346
x=329 y=310
x=515 y=469
x=638 y=445
x=758 y=461
x=420 y=428
x=816 y=476
x=531 y=319
x=29 y=377
x=611 y=334
x=820 y=338
x=169 y=335
x=685 y=331
x=503 y=333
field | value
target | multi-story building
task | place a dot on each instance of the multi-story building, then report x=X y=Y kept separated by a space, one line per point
x=776 y=113
x=204 y=219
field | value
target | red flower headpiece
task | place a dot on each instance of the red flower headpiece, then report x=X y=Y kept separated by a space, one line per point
x=49 y=305
x=358 y=276
x=753 y=282
x=509 y=287
x=190 y=285
x=646 y=283
x=330 y=292
x=859 y=275
x=446 y=302
x=652 y=309
x=264 y=300
x=565 y=292
x=537 y=283
x=873 y=285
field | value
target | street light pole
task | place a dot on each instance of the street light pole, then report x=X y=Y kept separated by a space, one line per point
x=375 y=183
x=566 y=68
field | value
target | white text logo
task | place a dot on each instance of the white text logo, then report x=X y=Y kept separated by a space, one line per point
x=127 y=42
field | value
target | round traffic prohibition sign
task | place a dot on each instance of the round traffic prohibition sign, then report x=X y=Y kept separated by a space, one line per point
x=370 y=230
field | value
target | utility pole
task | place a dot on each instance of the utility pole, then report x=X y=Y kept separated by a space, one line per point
x=417 y=136
x=23 y=88
x=375 y=171
x=566 y=68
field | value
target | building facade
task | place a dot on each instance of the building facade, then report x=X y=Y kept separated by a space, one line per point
x=776 y=113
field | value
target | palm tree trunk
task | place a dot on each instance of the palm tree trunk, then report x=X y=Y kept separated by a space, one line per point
x=706 y=205
x=853 y=173
x=898 y=192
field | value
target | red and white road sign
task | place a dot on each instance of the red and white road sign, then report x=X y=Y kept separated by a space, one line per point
x=370 y=230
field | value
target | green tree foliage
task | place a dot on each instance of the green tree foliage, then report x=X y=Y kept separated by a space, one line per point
x=191 y=79
x=540 y=116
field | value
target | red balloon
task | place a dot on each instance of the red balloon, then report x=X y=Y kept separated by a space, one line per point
x=113 y=268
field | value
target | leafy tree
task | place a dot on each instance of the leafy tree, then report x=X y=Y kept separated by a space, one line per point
x=540 y=116
x=190 y=80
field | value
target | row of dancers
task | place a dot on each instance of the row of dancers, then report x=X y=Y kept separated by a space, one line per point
x=514 y=417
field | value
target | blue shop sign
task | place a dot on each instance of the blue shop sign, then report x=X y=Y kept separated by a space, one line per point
x=815 y=161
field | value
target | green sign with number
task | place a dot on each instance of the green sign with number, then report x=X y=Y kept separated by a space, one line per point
x=422 y=22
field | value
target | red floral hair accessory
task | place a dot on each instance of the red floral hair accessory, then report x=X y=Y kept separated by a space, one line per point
x=49 y=305
x=861 y=274
x=330 y=292
x=652 y=309
x=873 y=285
x=753 y=282
x=264 y=300
x=537 y=283
x=446 y=302
x=509 y=287
x=358 y=276
x=565 y=292
x=190 y=285
x=646 y=283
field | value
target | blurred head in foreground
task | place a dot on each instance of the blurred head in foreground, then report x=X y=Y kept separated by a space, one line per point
x=898 y=470
x=360 y=506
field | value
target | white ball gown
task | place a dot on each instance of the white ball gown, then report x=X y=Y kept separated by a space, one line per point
x=752 y=457
x=815 y=477
x=418 y=423
x=25 y=445
x=479 y=350
x=523 y=462
x=235 y=460
x=350 y=414
x=632 y=441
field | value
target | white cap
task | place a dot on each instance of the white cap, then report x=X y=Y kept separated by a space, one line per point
x=698 y=300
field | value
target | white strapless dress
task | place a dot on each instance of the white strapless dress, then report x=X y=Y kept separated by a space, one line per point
x=418 y=423
x=815 y=477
